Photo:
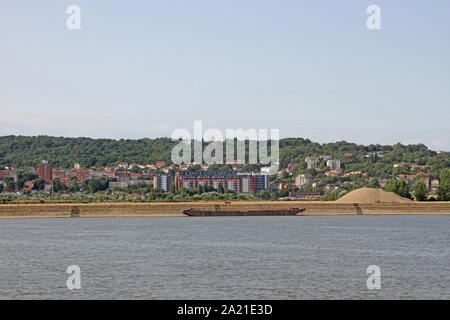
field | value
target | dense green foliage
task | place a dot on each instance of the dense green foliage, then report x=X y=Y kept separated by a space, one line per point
x=8 y=184
x=443 y=190
x=39 y=184
x=96 y=185
x=23 y=152
x=420 y=191
x=22 y=177
x=399 y=187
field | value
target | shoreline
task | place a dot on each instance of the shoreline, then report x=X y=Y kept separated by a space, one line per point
x=174 y=209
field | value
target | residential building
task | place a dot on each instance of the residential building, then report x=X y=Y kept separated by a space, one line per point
x=119 y=185
x=333 y=173
x=311 y=162
x=160 y=164
x=8 y=173
x=383 y=182
x=123 y=165
x=434 y=184
x=312 y=195
x=29 y=184
x=163 y=181
x=45 y=171
x=303 y=179
x=334 y=164
x=426 y=181
x=239 y=182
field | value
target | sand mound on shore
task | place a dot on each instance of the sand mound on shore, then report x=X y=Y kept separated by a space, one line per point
x=369 y=195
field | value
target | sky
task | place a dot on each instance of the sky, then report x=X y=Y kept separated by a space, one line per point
x=311 y=69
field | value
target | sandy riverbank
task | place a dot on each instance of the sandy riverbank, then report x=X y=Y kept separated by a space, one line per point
x=175 y=208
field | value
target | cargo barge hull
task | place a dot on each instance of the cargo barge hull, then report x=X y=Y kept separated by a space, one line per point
x=237 y=213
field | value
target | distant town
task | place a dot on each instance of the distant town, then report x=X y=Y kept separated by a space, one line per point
x=323 y=178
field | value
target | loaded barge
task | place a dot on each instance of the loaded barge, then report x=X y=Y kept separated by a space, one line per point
x=238 y=213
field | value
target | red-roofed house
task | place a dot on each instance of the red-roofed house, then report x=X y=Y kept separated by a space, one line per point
x=28 y=184
x=160 y=164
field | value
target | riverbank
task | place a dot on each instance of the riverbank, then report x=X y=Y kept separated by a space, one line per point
x=120 y=209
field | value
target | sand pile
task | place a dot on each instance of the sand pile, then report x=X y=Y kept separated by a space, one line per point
x=369 y=195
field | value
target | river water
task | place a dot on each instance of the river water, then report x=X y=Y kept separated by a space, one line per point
x=305 y=257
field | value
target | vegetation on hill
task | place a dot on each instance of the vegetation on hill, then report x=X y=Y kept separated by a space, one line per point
x=22 y=152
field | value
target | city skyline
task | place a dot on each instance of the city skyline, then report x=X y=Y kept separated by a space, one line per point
x=312 y=70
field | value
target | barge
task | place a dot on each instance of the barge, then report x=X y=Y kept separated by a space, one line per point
x=242 y=213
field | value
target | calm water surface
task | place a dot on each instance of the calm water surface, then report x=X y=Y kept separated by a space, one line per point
x=226 y=258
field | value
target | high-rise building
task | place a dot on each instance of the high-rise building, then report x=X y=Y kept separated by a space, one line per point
x=163 y=181
x=239 y=182
x=45 y=171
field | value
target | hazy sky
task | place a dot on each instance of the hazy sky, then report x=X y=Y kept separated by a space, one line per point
x=310 y=68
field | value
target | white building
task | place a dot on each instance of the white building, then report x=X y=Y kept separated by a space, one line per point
x=311 y=162
x=334 y=164
x=303 y=179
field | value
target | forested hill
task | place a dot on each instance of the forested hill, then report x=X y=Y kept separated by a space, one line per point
x=22 y=151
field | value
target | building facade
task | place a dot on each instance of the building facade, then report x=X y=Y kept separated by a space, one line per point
x=303 y=179
x=239 y=182
x=311 y=162
x=45 y=172
x=313 y=195
x=334 y=164
x=163 y=181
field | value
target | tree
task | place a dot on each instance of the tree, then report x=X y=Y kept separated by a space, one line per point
x=220 y=189
x=9 y=184
x=96 y=185
x=420 y=191
x=58 y=186
x=331 y=196
x=22 y=177
x=403 y=189
x=285 y=175
x=1 y=188
x=264 y=195
x=391 y=186
x=39 y=184
x=443 y=191
x=193 y=168
x=373 y=183
x=73 y=185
